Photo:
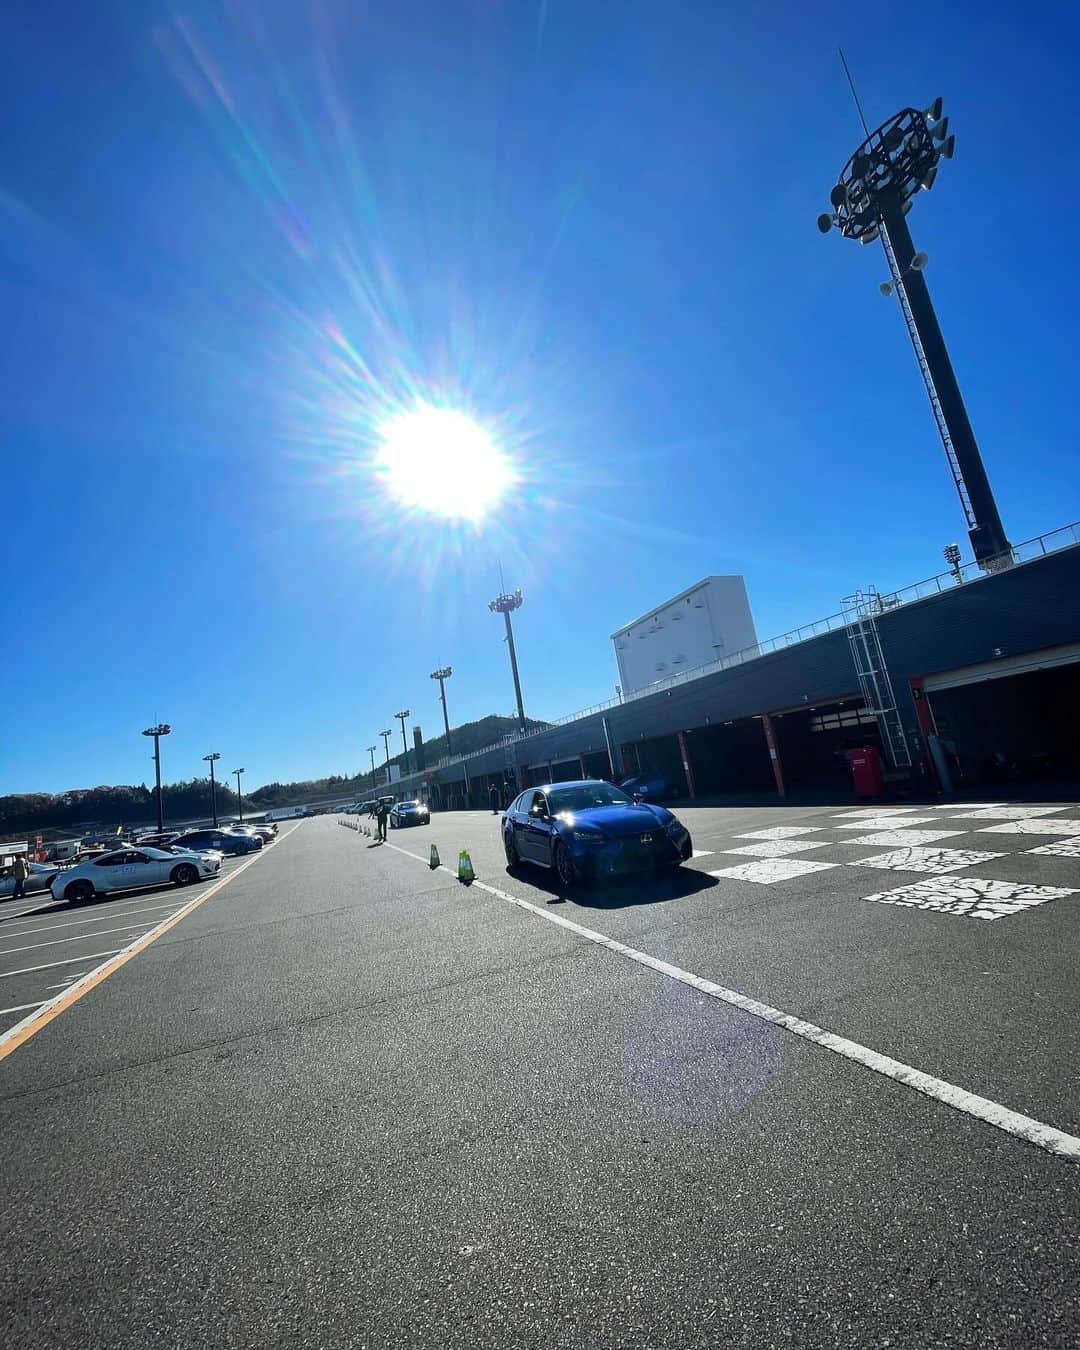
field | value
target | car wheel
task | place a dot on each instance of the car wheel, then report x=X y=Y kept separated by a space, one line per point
x=79 y=892
x=564 y=864
x=243 y=849
x=513 y=859
x=184 y=875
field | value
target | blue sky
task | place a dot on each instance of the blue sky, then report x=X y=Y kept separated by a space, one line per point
x=233 y=236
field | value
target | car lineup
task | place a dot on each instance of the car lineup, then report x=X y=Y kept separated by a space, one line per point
x=125 y=868
x=224 y=841
x=588 y=830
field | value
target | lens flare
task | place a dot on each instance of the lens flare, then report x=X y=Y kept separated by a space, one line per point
x=439 y=461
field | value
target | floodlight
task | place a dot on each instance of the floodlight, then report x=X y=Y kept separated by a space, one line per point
x=928 y=182
x=886 y=288
x=948 y=148
x=919 y=261
x=934 y=111
x=941 y=130
x=824 y=222
x=838 y=196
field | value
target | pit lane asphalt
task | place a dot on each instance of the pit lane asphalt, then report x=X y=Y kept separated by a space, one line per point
x=350 y=1102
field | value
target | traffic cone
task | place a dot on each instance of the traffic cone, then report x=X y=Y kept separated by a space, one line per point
x=464 y=867
x=434 y=856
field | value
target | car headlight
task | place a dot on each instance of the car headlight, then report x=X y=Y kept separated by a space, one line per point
x=588 y=837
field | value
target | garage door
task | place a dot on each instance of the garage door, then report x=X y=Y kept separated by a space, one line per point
x=1004 y=666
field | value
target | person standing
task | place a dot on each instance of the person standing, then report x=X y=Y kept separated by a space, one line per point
x=493 y=799
x=381 y=813
x=20 y=871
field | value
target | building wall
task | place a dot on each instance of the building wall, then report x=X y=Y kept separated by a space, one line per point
x=710 y=621
x=1030 y=607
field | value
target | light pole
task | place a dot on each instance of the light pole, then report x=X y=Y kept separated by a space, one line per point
x=371 y=752
x=386 y=746
x=239 y=796
x=212 y=759
x=442 y=676
x=401 y=716
x=504 y=604
x=162 y=729
x=875 y=191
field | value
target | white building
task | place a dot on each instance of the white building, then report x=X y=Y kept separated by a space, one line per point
x=709 y=621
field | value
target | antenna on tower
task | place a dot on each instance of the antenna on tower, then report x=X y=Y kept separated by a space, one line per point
x=854 y=95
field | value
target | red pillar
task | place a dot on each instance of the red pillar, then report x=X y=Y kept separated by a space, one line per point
x=925 y=719
x=774 y=753
x=685 y=753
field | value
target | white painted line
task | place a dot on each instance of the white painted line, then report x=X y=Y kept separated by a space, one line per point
x=28 y=1026
x=78 y=923
x=1032 y=1131
x=79 y=937
x=52 y=965
x=703 y=852
x=20 y=1007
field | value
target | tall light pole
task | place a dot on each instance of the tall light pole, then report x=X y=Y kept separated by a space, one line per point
x=212 y=759
x=371 y=752
x=442 y=676
x=386 y=746
x=162 y=729
x=875 y=191
x=505 y=603
x=239 y=796
x=401 y=716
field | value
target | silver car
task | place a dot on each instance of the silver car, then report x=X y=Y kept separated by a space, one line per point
x=40 y=878
x=125 y=868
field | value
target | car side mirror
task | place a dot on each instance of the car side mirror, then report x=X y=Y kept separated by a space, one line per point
x=639 y=796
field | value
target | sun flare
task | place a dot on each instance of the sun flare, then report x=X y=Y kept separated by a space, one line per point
x=440 y=461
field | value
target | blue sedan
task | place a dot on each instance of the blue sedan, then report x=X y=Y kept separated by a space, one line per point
x=589 y=830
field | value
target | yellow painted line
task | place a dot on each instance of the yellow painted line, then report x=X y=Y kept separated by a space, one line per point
x=22 y=1031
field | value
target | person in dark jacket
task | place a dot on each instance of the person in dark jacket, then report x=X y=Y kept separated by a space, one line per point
x=493 y=798
x=381 y=813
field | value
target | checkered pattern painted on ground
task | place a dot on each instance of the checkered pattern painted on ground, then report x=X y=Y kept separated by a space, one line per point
x=896 y=840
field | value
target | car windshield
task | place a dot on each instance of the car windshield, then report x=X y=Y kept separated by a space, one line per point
x=585 y=795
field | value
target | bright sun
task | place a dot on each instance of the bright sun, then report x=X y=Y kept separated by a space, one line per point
x=439 y=460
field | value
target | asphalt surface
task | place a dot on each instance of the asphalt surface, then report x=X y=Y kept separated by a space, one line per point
x=349 y=1101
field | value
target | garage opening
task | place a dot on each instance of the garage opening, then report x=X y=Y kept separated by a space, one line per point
x=1019 y=727
x=813 y=742
x=730 y=757
x=658 y=758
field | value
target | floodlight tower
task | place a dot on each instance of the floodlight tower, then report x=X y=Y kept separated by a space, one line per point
x=505 y=603
x=871 y=199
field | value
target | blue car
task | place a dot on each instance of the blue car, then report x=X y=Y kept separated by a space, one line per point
x=224 y=841
x=588 y=830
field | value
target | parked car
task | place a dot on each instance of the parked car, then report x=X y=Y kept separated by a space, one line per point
x=129 y=867
x=158 y=839
x=650 y=787
x=224 y=841
x=409 y=813
x=40 y=878
x=253 y=832
x=588 y=830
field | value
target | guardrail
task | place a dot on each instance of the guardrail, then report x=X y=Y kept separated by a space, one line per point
x=942 y=582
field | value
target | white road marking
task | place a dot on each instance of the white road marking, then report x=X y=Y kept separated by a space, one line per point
x=20 y=1007
x=889 y=822
x=782 y=832
x=79 y=937
x=971 y=897
x=877 y=811
x=929 y=860
x=1029 y=826
x=78 y=923
x=703 y=852
x=904 y=838
x=1032 y=1131
x=777 y=848
x=1013 y=812
x=767 y=871
x=1060 y=848
x=52 y=965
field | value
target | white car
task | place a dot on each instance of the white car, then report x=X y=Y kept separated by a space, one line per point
x=127 y=867
x=40 y=878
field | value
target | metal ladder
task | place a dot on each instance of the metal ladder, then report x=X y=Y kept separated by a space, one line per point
x=860 y=612
x=920 y=357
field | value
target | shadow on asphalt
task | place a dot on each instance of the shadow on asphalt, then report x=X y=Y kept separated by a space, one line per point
x=620 y=893
x=96 y=901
